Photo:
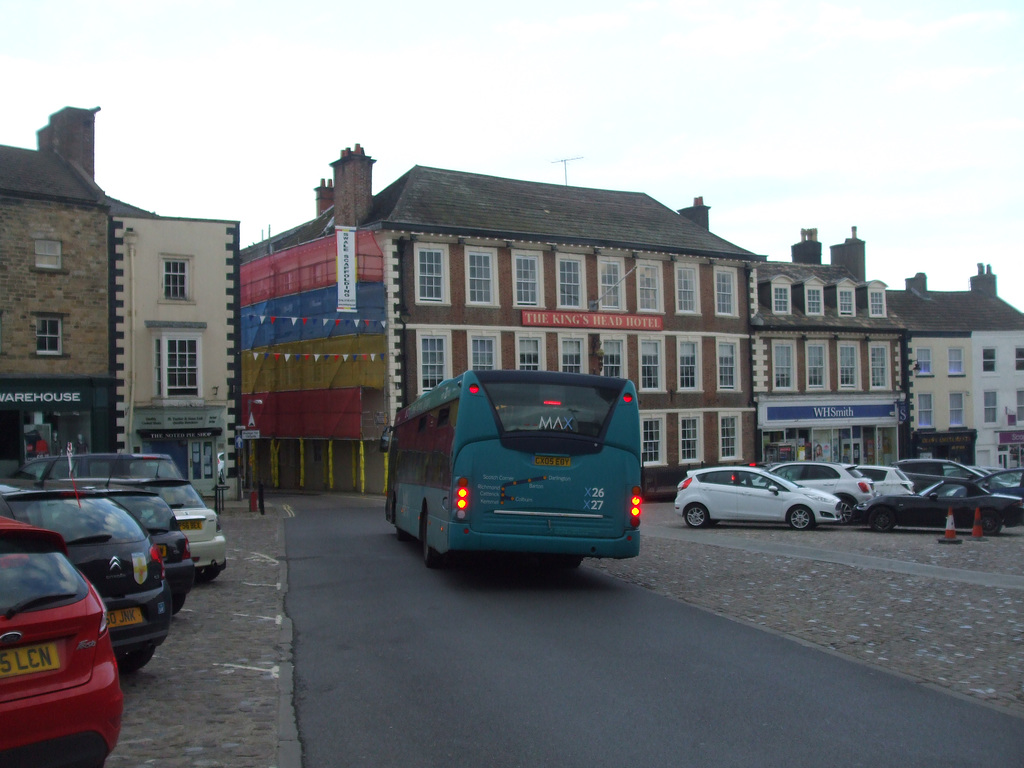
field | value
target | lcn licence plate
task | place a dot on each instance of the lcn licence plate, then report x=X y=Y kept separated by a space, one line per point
x=29 y=659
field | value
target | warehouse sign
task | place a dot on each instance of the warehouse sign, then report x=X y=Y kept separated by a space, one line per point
x=346 y=268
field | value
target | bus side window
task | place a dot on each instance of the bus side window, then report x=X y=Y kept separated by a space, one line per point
x=385 y=439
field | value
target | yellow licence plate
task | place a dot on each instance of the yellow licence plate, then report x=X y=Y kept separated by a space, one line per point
x=190 y=525
x=29 y=659
x=551 y=461
x=163 y=550
x=124 y=617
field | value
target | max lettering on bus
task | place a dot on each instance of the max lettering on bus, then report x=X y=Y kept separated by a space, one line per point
x=565 y=424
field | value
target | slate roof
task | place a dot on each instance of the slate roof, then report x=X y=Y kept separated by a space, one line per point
x=954 y=311
x=458 y=203
x=44 y=176
x=831 y=320
x=437 y=201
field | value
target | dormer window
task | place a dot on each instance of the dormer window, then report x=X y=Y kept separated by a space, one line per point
x=780 y=299
x=876 y=302
x=846 y=305
x=813 y=300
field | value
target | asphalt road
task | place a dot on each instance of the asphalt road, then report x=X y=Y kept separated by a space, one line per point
x=509 y=665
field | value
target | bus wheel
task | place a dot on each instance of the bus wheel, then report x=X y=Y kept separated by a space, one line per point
x=392 y=518
x=431 y=557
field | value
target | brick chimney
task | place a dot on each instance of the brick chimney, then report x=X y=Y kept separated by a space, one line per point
x=697 y=213
x=324 y=196
x=808 y=250
x=918 y=284
x=71 y=134
x=353 y=187
x=984 y=281
x=850 y=255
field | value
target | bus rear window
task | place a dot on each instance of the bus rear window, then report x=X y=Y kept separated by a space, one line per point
x=567 y=409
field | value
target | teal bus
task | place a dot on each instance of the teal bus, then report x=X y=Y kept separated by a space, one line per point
x=535 y=462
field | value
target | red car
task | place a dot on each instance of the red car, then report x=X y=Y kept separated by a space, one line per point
x=60 y=694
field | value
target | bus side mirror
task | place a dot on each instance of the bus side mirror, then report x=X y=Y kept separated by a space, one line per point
x=385 y=439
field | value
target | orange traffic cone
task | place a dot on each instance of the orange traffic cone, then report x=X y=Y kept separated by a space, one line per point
x=977 y=532
x=950 y=537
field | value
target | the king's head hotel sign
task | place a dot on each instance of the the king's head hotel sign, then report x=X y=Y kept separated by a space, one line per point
x=346 y=268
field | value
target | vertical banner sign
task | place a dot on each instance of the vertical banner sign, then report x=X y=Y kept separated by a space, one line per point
x=346 y=268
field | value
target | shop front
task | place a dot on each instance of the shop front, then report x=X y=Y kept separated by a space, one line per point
x=1011 y=448
x=955 y=445
x=864 y=431
x=45 y=415
x=193 y=437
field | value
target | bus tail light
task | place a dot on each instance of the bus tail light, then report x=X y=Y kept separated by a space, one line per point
x=462 y=498
x=635 y=503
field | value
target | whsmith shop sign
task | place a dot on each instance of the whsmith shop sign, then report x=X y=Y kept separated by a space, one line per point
x=874 y=412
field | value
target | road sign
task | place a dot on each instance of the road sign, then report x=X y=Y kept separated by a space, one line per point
x=250 y=434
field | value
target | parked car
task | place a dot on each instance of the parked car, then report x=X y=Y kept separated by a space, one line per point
x=97 y=466
x=887 y=480
x=160 y=522
x=60 y=694
x=200 y=524
x=708 y=496
x=930 y=508
x=1009 y=481
x=926 y=472
x=842 y=480
x=113 y=551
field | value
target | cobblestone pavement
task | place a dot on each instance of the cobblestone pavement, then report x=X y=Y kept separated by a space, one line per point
x=209 y=697
x=958 y=636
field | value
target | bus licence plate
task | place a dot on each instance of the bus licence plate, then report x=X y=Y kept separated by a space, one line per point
x=552 y=461
x=124 y=617
x=28 y=659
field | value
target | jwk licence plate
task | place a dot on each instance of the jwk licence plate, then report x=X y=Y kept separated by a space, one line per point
x=124 y=617
x=29 y=659
x=551 y=461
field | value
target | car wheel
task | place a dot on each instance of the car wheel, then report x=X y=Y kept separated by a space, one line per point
x=882 y=519
x=847 y=503
x=696 y=516
x=800 y=518
x=991 y=523
x=431 y=557
x=133 y=661
x=208 y=573
x=178 y=601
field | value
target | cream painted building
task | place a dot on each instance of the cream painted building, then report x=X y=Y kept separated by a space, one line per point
x=175 y=285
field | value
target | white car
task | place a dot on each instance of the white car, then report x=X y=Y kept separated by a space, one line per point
x=708 y=496
x=200 y=524
x=889 y=481
x=842 y=480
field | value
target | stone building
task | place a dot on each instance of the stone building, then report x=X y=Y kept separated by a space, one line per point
x=828 y=359
x=56 y=381
x=966 y=357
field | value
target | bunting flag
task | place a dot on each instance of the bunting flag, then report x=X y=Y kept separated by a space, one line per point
x=316 y=358
x=358 y=323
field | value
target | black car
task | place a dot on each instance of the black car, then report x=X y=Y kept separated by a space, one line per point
x=930 y=508
x=112 y=549
x=1010 y=481
x=926 y=472
x=159 y=520
x=96 y=466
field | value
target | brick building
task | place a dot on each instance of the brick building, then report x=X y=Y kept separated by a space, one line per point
x=487 y=272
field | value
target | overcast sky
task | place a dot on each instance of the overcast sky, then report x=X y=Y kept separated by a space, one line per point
x=904 y=119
